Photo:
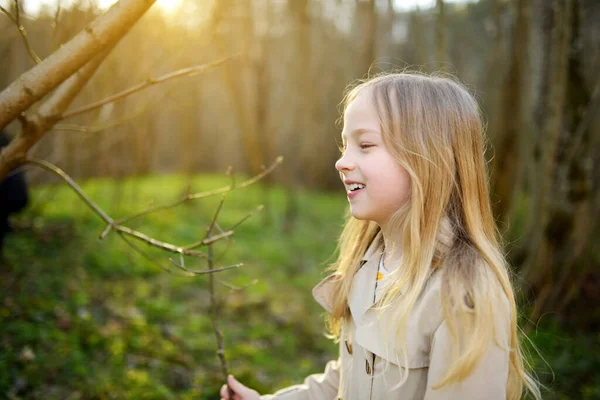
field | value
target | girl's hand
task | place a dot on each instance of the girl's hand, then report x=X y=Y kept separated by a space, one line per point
x=241 y=392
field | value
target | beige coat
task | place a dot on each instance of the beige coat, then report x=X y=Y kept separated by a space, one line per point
x=363 y=370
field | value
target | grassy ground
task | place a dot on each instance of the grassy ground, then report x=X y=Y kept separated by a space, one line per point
x=84 y=318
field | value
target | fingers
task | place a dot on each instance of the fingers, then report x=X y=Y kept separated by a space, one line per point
x=224 y=393
x=235 y=385
x=241 y=392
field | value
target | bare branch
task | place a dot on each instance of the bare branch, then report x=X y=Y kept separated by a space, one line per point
x=143 y=85
x=202 y=195
x=214 y=311
x=109 y=221
x=215 y=216
x=100 y=127
x=146 y=256
x=61 y=174
x=206 y=271
x=238 y=288
x=209 y=240
x=39 y=122
x=101 y=34
x=251 y=213
x=23 y=33
x=55 y=25
x=9 y=15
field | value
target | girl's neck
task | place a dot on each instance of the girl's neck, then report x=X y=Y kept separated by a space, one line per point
x=392 y=251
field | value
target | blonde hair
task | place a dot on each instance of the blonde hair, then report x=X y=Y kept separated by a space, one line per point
x=432 y=126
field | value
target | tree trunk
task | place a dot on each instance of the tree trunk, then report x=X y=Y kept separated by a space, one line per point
x=441 y=45
x=561 y=202
x=510 y=128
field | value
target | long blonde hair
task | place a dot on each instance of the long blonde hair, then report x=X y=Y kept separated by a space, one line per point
x=432 y=126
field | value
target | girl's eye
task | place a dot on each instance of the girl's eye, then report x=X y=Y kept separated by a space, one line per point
x=364 y=146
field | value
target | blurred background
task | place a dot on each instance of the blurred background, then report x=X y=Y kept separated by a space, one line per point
x=84 y=318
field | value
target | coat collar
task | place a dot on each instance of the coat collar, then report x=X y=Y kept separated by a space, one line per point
x=323 y=291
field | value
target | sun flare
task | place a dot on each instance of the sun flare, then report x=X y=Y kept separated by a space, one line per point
x=168 y=6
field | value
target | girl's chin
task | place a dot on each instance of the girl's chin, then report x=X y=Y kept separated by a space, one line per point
x=361 y=216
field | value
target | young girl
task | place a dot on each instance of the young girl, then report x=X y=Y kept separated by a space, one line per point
x=420 y=301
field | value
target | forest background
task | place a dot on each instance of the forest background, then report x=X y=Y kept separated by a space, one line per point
x=85 y=318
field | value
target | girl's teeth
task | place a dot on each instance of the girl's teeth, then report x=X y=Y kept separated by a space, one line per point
x=355 y=186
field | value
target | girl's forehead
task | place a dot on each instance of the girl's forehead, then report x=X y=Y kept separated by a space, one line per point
x=361 y=113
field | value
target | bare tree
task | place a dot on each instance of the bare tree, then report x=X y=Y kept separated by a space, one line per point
x=509 y=134
x=441 y=45
x=65 y=71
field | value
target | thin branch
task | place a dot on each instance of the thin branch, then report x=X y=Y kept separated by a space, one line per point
x=202 y=195
x=206 y=271
x=214 y=311
x=214 y=218
x=209 y=240
x=109 y=221
x=143 y=85
x=98 y=36
x=61 y=174
x=22 y=31
x=238 y=288
x=146 y=256
x=100 y=127
x=9 y=15
x=55 y=25
x=251 y=213
x=38 y=123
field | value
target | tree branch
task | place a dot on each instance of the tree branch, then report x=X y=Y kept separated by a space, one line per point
x=202 y=195
x=143 y=85
x=109 y=221
x=102 y=33
x=22 y=31
x=45 y=117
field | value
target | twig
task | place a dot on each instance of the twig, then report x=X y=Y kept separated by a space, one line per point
x=109 y=221
x=37 y=123
x=206 y=271
x=209 y=240
x=55 y=25
x=251 y=213
x=17 y=21
x=214 y=218
x=202 y=195
x=143 y=85
x=214 y=306
x=239 y=288
x=146 y=256
x=101 y=34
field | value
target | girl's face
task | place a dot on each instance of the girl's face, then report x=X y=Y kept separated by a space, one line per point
x=376 y=184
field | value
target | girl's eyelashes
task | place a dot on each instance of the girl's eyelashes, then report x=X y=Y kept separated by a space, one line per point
x=362 y=146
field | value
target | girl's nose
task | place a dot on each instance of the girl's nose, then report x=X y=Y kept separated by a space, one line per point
x=344 y=163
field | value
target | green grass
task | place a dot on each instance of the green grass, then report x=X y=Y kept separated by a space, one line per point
x=84 y=318
x=93 y=319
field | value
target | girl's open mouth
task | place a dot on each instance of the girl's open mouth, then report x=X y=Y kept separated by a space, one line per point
x=355 y=191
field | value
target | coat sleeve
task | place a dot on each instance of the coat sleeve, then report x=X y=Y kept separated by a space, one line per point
x=487 y=381
x=315 y=387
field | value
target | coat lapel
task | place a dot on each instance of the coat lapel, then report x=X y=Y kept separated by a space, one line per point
x=323 y=291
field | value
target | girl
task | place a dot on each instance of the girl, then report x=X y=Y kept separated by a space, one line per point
x=420 y=301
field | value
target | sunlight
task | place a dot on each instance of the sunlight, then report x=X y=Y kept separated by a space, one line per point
x=34 y=6
x=168 y=6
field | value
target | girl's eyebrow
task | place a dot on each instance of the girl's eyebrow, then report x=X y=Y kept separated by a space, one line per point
x=358 y=132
